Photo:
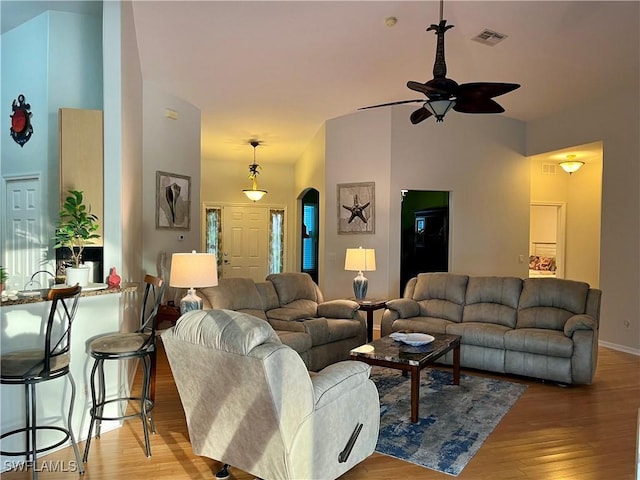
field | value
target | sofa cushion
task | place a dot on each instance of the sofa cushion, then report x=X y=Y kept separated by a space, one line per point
x=268 y=295
x=441 y=295
x=405 y=307
x=293 y=286
x=481 y=334
x=232 y=294
x=287 y=314
x=539 y=341
x=421 y=324
x=550 y=302
x=299 y=341
x=492 y=300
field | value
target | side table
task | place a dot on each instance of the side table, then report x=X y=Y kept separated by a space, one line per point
x=370 y=306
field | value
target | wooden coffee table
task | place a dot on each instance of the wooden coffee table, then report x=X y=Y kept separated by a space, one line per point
x=386 y=352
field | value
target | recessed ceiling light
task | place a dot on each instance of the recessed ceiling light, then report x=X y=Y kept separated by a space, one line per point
x=390 y=21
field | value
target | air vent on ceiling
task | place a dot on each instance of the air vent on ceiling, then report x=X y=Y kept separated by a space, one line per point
x=549 y=168
x=489 y=37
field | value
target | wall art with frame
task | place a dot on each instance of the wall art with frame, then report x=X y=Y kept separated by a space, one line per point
x=173 y=201
x=356 y=208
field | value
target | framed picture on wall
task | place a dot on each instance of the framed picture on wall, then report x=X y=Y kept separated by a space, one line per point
x=356 y=208
x=173 y=201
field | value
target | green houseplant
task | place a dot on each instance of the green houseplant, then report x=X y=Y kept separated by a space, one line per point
x=4 y=276
x=76 y=229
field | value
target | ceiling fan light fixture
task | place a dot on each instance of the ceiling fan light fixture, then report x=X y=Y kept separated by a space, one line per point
x=439 y=108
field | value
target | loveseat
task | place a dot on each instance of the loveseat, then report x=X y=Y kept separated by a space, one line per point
x=545 y=328
x=321 y=332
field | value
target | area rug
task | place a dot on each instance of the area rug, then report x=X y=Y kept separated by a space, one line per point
x=453 y=423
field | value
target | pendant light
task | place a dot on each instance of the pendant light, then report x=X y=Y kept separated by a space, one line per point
x=254 y=193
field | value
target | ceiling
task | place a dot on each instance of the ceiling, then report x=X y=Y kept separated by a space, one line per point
x=277 y=70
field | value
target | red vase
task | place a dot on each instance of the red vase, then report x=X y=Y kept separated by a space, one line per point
x=113 y=280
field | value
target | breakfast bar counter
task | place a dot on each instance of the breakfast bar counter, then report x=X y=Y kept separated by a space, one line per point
x=23 y=319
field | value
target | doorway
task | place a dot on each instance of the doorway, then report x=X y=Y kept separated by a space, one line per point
x=425 y=233
x=25 y=249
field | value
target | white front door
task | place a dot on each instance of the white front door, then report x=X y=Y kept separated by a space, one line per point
x=25 y=251
x=245 y=244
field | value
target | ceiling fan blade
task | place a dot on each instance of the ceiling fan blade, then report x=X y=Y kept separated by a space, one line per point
x=425 y=88
x=477 y=105
x=485 y=89
x=419 y=115
x=393 y=103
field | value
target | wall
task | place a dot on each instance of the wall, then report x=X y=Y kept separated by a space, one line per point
x=55 y=61
x=223 y=182
x=309 y=172
x=170 y=146
x=358 y=148
x=581 y=192
x=614 y=120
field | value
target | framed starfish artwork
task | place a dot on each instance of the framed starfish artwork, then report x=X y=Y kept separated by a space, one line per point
x=356 y=208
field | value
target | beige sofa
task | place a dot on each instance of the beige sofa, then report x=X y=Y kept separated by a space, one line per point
x=537 y=327
x=321 y=332
x=250 y=402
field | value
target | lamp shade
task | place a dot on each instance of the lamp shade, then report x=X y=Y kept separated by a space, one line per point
x=439 y=108
x=571 y=166
x=193 y=270
x=360 y=259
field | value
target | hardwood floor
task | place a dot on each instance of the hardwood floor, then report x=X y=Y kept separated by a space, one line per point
x=552 y=433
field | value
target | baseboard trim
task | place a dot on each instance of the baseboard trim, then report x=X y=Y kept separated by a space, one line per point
x=620 y=348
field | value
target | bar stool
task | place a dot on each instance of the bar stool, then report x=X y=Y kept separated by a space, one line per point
x=141 y=345
x=31 y=367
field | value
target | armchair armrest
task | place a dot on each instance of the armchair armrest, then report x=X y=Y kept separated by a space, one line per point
x=334 y=381
x=579 y=322
x=338 y=309
x=404 y=307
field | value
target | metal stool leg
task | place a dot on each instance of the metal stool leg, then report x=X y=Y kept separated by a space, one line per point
x=149 y=400
x=102 y=396
x=32 y=425
x=92 y=411
x=143 y=402
x=70 y=425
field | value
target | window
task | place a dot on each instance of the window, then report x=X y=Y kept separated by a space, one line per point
x=214 y=234
x=276 y=240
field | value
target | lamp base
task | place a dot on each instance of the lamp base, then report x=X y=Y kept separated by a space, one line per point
x=360 y=285
x=190 y=302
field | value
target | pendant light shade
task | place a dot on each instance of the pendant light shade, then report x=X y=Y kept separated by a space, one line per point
x=571 y=165
x=254 y=193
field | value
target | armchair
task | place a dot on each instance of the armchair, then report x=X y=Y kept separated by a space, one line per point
x=250 y=402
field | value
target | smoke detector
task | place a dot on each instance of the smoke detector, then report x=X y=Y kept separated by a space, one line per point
x=489 y=37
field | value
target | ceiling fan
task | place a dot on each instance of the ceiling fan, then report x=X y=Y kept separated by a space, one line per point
x=444 y=94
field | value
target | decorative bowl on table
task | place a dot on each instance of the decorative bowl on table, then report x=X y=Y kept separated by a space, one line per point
x=413 y=339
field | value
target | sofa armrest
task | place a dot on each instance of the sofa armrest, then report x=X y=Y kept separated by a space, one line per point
x=405 y=307
x=579 y=322
x=338 y=309
x=336 y=380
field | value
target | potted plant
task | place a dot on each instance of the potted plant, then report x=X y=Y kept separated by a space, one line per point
x=75 y=230
x=3 y=278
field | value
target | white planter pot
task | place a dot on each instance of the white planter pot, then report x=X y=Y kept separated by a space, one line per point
x=78 y=275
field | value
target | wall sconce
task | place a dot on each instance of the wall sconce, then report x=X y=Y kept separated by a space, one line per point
x=570 y=165
x=360 y=260
x=193 y=270
x=254 y=193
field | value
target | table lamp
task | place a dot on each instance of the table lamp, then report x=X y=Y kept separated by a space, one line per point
x=360 y=260
x=193 y=270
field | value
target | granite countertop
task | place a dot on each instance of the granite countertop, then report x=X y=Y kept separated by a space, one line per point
x=35 y=296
